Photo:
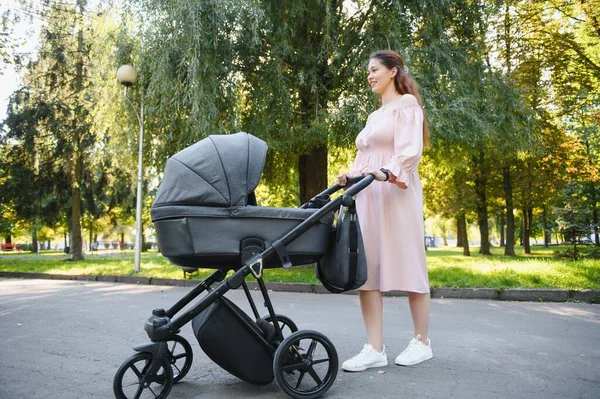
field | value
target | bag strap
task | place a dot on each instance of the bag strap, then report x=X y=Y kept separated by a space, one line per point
x=352 y=247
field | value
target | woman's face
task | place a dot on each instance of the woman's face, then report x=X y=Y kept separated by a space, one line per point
x=380 y=77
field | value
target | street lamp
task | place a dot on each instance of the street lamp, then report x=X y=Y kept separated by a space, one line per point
x=127 y=75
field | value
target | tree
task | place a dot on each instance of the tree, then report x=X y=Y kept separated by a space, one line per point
x=29 y=182
x=471 y=106
x=573 y=219
x=59 y=77
x=68 y=104
x=109 y=168
x=290 y=72
x=6 y=40
x=572 y=46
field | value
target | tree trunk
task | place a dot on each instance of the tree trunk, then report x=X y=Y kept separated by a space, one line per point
x=530 y=226
x=460 y=239
x=594 y=198
x=595 y=216
x=521 y=235
x=502 y=224
x=527 y=216
x=312 y=169
x=34 y=241
x=8 y=239
x=91 y=236
x=444 y=233
x=509 y=249
x=144 y=248
x=481 y=202
x=77 y=240
x=547 y=235
x=36 y=173
x=462 y=222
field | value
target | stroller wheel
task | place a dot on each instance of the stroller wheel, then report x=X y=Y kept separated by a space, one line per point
x=128 y=380
x=180 y=356
x=286 y=324
x=305 y=364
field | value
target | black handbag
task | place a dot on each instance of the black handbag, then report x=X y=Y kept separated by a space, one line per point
x=344 y=266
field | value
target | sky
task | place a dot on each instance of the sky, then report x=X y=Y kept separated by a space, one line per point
x=25 y=35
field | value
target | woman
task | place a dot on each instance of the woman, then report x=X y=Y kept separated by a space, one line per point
x=391 y=210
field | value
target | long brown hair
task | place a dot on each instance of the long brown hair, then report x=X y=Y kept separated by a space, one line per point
x=403 y=82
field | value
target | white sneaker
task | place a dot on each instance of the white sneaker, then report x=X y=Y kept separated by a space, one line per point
x=416 y=352
x=367 y=358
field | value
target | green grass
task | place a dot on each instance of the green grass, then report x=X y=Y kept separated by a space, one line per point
x=121 y=263
x=447 y=268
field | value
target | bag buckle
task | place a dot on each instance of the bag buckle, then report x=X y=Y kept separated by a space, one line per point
x=257 y=274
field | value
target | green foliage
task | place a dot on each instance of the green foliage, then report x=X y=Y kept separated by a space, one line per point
x=29 y=163
x=7 y=43
x=64 y=135
x=8 y=221
x=187 y=70
x=574 y=221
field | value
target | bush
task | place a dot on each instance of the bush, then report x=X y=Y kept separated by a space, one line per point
x=594 y=254
x=571 y=253
x=574 y=253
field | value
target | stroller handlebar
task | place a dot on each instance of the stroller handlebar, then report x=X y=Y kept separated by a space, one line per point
x=354 y=179
x=357 y=184
x=353 y=186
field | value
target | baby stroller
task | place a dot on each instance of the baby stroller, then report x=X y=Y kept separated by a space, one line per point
x=205 y=215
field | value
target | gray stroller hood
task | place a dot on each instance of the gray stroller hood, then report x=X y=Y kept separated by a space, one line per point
x=220 y=170
x=203 y=216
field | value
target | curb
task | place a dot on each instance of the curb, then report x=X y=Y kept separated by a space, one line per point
x=508 y=294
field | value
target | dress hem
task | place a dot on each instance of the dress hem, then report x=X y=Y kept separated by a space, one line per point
x=392 y=289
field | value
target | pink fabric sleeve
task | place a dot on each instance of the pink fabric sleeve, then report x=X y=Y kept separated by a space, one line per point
x=408 y=142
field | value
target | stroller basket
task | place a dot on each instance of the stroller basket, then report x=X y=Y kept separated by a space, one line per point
x=232 y=340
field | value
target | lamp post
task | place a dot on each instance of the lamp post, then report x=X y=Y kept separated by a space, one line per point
x=127 y=75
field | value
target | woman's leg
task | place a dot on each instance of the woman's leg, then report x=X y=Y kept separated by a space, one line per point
x=372 y=355
x=417 y=351
x=419 y=309
x=371 y=303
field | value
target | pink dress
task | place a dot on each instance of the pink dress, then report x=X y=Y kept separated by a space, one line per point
x=391 y=218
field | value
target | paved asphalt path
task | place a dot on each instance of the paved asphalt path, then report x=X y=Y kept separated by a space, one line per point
x=66 y=339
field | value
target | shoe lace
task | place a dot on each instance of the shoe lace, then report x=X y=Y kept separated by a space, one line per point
x=413 y=342
x=362 y=354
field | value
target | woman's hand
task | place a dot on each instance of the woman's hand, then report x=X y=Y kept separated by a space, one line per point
x=377 y=173
x=380 y=176
x=342 y=179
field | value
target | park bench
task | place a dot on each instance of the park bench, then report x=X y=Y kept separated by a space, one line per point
x=9 y=247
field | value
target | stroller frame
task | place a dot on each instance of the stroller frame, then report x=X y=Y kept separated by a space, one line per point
x=164 y=325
